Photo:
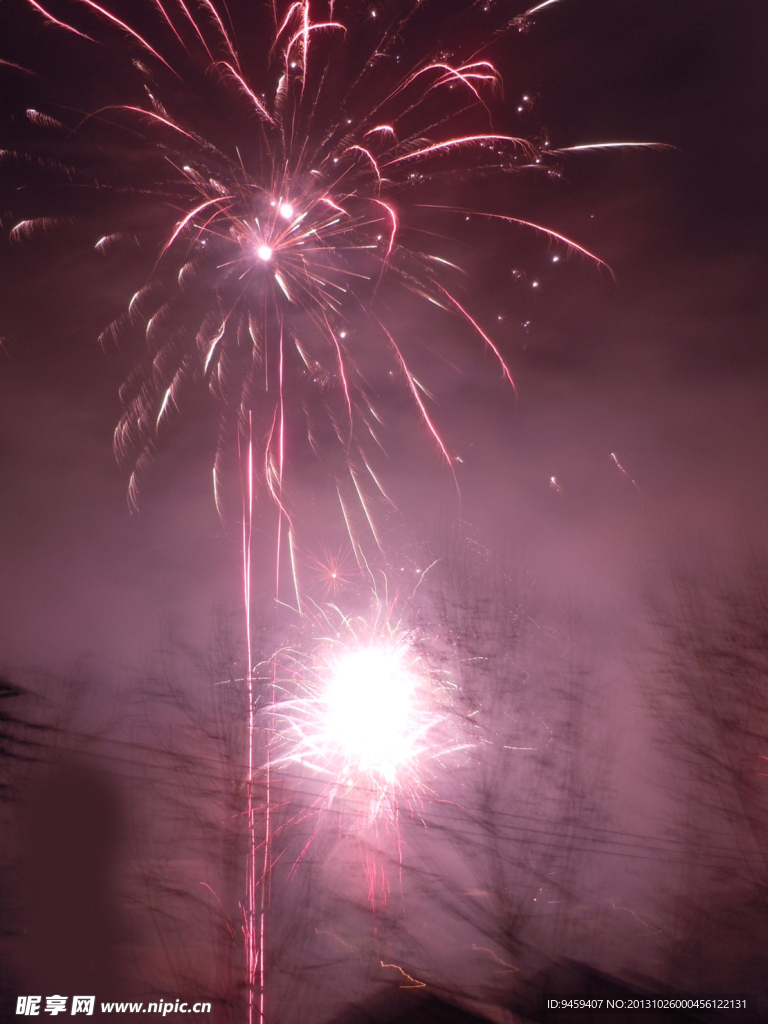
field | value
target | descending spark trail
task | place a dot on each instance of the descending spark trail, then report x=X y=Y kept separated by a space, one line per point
x=286 y=174
x=615 y=460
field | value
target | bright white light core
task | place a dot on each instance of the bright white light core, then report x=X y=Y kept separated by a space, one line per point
x=264 y=253
x=370 y=709
x=286 y=210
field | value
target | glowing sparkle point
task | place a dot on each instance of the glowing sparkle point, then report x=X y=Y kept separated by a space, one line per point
x=369 y=709
x=286 y=210
x=264 y=253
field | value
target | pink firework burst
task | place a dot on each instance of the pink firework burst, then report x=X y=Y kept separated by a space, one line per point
x=290 y=164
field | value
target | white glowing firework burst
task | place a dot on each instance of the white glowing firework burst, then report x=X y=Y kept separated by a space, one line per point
x=365 y=706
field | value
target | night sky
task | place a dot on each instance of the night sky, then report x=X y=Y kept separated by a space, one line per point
x=643 y=397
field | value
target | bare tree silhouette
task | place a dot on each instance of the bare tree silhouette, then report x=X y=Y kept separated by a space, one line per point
x=471 y=890
x=495 y=874
x=710 y=699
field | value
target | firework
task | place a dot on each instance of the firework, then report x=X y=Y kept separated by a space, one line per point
x=363 y=705
x=363 y=722
x=296 y=174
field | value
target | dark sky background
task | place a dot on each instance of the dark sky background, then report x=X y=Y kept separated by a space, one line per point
x=665 y=367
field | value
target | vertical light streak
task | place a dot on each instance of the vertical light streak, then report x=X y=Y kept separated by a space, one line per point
x=294 y=570
x=366 y=510
x=342 y=373
x=280 y=464
x=252 y=958
x=267 y=861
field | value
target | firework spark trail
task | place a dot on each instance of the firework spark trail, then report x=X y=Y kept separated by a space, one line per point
x=414 y=982
x=49 y=18
x=16 y=67
x=615 y=460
